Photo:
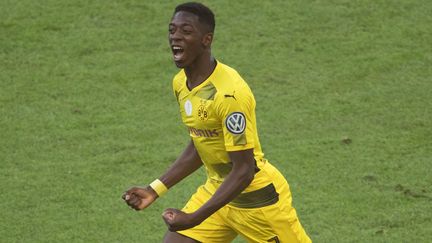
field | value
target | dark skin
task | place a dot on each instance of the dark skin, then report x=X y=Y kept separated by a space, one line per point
x=189 y=161
x=187 y=32
x=194 y=38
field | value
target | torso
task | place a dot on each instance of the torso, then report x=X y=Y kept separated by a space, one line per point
x=220 y=116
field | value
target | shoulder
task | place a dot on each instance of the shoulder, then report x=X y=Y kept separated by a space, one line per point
x=229 y=82
x=179 y=79
x=233 y=93
x=228 y=75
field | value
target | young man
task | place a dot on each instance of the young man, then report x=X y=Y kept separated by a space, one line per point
x=244 y=194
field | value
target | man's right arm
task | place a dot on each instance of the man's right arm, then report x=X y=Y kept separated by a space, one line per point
x=188 y=162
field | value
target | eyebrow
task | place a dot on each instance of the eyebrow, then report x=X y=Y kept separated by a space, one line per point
x=181 y=25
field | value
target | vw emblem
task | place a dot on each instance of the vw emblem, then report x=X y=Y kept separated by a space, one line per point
x=236 y=123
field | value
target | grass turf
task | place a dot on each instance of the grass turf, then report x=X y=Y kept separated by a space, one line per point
x=86 y=110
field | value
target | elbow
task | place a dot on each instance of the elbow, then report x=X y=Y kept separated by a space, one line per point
x=250 y=176
x=247 y=177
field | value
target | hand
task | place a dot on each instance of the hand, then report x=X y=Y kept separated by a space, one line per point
x=178 y=220
x=139 y=198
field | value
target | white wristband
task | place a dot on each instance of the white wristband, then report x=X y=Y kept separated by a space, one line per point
x=159 y=187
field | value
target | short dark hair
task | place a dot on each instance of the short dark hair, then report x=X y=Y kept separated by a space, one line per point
x=205 y=15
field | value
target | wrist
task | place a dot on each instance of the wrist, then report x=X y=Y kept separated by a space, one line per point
x=197 y=217
x=158 y=187
x=152 y=192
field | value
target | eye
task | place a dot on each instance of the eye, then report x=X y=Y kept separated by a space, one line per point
x=171 y=29
x=187 y=30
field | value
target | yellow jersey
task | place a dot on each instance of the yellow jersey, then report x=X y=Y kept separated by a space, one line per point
x=220 y=117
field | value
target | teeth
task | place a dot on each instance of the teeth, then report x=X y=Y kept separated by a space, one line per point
x=178 y=53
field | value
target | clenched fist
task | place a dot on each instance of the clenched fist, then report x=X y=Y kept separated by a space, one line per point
x=139 y=198
x=179 y=220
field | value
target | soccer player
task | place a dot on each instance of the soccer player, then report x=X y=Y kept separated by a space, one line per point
x=244 y=194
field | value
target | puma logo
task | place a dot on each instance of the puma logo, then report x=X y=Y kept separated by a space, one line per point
x=274 y=239
x=232 y=96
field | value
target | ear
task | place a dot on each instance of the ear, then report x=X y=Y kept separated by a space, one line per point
x=207 y=39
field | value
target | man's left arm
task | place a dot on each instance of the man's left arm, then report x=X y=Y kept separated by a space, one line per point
x=241 y=175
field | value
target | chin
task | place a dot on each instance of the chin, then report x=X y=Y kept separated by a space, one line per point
x=180 y=64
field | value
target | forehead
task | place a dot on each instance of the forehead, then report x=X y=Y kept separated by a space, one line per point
x=183 y=17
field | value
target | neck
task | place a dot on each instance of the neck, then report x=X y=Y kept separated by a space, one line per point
x=200 y=70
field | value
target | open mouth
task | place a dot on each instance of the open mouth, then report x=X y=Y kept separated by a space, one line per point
x=178 y=52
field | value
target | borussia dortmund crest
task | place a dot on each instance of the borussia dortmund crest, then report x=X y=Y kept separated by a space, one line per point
x=202 y=111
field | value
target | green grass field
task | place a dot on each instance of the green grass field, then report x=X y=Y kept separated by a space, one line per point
x=344 y=111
